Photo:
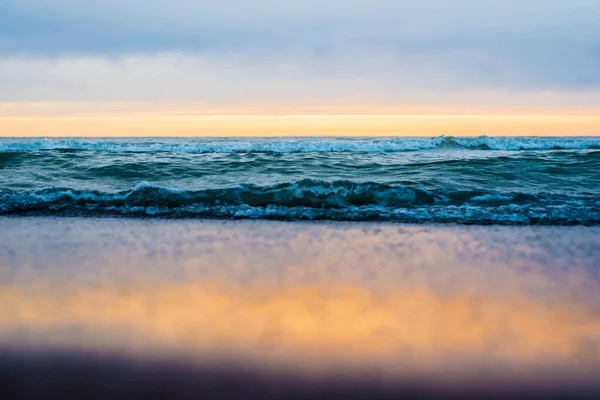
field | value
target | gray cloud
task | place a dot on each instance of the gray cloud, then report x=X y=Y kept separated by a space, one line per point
x=111 y=49
x=288 y=78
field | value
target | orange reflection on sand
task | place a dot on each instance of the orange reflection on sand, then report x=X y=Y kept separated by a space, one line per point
x=406 y=329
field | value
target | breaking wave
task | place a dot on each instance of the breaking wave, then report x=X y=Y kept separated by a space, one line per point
x=299 y=145
x=310 y=200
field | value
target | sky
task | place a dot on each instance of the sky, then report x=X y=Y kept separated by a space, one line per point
x=189 y=59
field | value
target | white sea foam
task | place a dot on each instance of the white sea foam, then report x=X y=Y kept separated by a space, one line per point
x=307 y=200
x=299 y=145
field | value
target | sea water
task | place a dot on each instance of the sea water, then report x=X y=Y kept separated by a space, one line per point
x=480 y=180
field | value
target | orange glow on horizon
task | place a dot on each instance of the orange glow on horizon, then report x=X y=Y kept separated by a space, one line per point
x=148 y=124
x=179 y=119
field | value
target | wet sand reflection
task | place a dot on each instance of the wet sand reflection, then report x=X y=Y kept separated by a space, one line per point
x=414 y=330
x=493 y=320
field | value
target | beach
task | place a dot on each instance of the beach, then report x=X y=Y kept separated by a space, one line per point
x=371 y=309
x=299 y=199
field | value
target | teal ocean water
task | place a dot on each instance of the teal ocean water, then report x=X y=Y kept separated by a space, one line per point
x=483 y=180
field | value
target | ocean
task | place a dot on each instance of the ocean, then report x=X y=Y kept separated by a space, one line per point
x=479 y=180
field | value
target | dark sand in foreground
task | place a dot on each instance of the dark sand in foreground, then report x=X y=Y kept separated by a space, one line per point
x=105 y=308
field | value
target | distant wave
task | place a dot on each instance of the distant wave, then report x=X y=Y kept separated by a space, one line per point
x=301 y=145
x=310 y=200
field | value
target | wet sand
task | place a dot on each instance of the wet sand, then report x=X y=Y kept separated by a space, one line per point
x=181 y=308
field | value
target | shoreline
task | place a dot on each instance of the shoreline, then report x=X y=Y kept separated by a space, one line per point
x=372 y=310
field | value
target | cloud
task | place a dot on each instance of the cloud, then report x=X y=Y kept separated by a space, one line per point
x=117 y=25
x=217 y=77
x=268 y=50
x=298 y=78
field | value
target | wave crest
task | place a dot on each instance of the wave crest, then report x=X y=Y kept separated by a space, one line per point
x=321 y=145
x=310 y=200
